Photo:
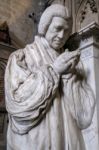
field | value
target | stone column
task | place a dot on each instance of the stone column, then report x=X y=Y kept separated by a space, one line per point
x=89 y=47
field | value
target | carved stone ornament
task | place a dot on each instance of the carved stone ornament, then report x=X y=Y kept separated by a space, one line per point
x=93 y=8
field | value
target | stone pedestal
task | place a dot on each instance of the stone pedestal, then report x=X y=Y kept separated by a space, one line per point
x=89 y=47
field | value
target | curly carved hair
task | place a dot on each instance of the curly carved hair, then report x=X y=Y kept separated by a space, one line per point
x=55 y=10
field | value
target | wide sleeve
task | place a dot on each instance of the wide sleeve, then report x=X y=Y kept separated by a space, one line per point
x=28 y=94
x=80 y=99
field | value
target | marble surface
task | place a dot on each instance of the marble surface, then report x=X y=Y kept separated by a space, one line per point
x=89 y=47
x=48 y=99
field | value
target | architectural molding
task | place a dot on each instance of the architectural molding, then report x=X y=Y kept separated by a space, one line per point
x=82 y=35
x=89 y=30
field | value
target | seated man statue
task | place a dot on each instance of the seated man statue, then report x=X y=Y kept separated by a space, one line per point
x=47 y=97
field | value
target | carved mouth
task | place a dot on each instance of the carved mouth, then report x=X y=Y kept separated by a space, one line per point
x=58 y=42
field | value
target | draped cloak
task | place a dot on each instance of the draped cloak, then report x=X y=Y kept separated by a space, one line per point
x=46 y=111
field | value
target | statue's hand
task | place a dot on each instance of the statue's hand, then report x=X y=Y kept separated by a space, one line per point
x=66 y=62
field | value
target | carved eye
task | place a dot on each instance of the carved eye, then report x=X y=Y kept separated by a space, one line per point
x=57 y=29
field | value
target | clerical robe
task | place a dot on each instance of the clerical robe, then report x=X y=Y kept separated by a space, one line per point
x=47 y=111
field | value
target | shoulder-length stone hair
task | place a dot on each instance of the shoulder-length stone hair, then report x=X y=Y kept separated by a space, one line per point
x=55 y=10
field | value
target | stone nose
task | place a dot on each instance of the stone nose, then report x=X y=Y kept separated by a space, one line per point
x=61 y=34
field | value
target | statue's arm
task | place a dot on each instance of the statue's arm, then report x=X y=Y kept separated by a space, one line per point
x=28 y=94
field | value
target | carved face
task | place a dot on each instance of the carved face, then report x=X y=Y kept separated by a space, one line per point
x=57 y=33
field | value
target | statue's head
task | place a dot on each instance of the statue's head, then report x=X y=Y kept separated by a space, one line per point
x=55 y=25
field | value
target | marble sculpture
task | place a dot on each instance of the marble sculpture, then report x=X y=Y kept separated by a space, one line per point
x=48 y=99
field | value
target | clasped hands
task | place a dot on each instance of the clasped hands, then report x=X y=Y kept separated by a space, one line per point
x=66 y=62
